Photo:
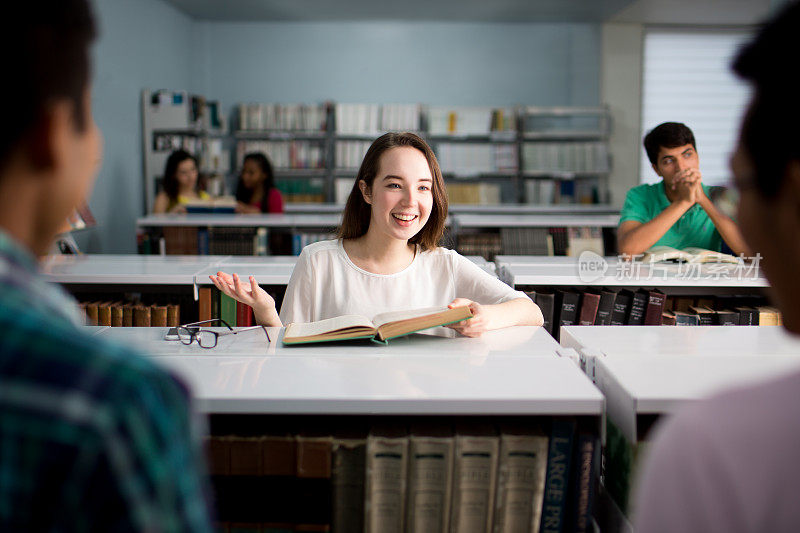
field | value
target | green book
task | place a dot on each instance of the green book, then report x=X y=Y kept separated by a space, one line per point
x=227 y=309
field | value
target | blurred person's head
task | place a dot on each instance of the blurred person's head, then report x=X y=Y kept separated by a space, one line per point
x=256 y=170
x=766 y=163
x=180 y=173
x=49 y=144
x=671 y=148
x=362 y=208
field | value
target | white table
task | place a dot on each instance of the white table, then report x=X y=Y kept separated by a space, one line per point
x=513 y=372
x=659 y=384
x=645 y=341
x=267 y=220
x=126 y=269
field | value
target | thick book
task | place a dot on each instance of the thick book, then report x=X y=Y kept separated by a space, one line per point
x=546 y=302
x=313 y=473
x=227 y=308
x=474 y=479
x=173 y=315
x=380 y=329
x=748 y=316
x=559 y=459
x=658 y=254
x=348 y=469
x=768 y=316
x=686 y=319
x=204 y=303
x=654 y=308
x=622 y=304
x=385 y=481
x=244 y=315
x=726 y=317
x=704 y=314
x=590 y=301
x=605 y=307
x=638 y=305
x=158 y=316
x=583 y=483
x=141 y=316
x=566 y=307
x=430 y=476
x=520 y=479
x=668 y=318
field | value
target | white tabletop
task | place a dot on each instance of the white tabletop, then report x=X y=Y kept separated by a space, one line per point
x=543 y=260
x=662 y=383
x=513 y=371
x=265 y=274
x=646 y=341
x=122 y=269
x=268 y=220
x=534 y=221
x=626 y=274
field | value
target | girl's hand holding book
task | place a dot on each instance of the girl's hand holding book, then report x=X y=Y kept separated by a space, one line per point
x=475 y=326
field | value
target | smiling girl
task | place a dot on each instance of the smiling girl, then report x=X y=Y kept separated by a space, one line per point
x=387 y=256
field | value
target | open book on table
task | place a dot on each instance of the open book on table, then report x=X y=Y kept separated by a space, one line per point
x=380 y=329
x=690 y=255
x=222 y=204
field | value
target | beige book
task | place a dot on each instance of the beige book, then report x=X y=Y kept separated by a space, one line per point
x=380 y=329
x=430 y=473
x=385 y=481
x=474 y=480
x=658 y=254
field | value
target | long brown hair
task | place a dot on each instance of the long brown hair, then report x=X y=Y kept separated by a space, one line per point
x=357 y=212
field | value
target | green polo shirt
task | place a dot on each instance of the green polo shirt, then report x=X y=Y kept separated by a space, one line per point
x=694 y=228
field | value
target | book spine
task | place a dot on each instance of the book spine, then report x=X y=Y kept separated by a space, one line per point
x=158 y=316
x=347 y=484
x=227 y=308
x=385 y=484
x=558 y=464
x=520 y=483
x=141 y=316
x=474 y=479
x=429 y=483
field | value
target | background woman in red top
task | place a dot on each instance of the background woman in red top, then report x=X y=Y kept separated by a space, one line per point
x=256 y=192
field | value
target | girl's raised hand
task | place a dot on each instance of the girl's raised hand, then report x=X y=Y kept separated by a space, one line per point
x=253 y=295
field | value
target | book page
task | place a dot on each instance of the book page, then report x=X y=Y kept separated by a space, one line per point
x=702 y=255
x=328 y=325
x=395 y=316
x=663 y=253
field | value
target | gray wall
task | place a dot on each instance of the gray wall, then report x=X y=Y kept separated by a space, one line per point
x=149 y=44
x=142 y=43
x=434 y=63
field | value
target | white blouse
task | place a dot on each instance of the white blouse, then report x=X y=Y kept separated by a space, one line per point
x=325 y=283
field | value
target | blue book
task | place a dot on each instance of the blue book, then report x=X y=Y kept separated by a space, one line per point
x=559 y=459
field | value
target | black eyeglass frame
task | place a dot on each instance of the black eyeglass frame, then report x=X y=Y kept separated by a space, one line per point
x=188 y=334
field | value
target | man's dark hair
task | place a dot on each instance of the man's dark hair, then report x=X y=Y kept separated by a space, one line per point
x=769 y=126
x=667 y=135
x=45 y=51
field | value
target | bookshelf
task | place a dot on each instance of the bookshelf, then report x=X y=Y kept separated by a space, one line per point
x=174 y=120
x=489 y=156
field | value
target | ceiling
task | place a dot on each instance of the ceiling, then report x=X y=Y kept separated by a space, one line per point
x=719 y=12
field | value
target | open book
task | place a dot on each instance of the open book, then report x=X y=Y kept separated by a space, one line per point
x=380 y=329
x=690 y=255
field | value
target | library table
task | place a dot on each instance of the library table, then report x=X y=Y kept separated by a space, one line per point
x=643 y=341
x=510 y=372
x=126 y=268
x=640 y=386
x=267 y=220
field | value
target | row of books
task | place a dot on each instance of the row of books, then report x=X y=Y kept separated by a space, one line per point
x=284 y=154
x=544 y=191
x=302 y=239
x=444 y=120
x=473 y=159
x=186 y=240
x=169 y=142
x=130 y=314
x=533 y=241
x=473 y=193
x=283 y=117
x=214 y=304
x=302 y=191
x=649 y=307
x=349 y=154
x=566 y=157
x=371 y=119
x=474 y=477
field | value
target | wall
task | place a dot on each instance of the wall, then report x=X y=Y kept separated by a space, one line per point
x=434 y=63
x=142 y=43
x=621 y=90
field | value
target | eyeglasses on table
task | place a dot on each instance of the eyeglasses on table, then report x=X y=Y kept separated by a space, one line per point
x=206 y=338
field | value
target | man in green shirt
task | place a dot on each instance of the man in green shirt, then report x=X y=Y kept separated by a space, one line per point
x=677 y=211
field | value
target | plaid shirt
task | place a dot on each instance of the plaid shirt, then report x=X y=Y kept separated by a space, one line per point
x=93 y=437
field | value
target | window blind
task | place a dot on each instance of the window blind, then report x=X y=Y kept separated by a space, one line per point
x=687 y=78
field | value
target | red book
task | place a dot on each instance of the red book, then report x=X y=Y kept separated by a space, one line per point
x=244 y=315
